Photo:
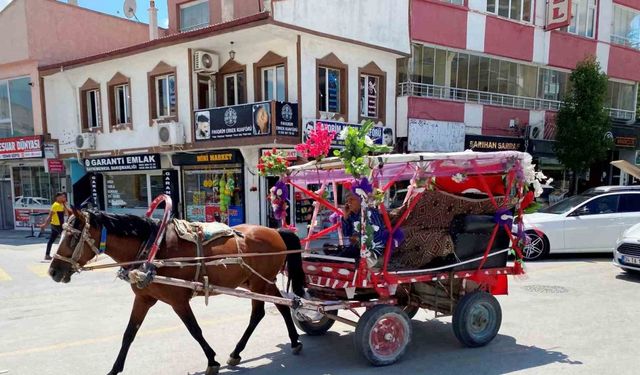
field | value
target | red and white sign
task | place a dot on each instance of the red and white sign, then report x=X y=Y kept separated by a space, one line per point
x=291 y=154
x=558 y=14
x=21 y=147
x=55 y=166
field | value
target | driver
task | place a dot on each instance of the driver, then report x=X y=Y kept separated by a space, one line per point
x=351 y=214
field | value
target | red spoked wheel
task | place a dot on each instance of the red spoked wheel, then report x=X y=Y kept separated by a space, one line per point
x=382 y=334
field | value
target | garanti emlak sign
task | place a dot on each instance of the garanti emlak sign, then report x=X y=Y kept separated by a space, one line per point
x=141 y=162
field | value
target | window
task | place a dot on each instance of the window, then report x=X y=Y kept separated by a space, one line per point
x=629 y=203
x=584 y=18
x=16 y=109
x=519 y=10
x=273 y=83
x=369 y=96
x=329 y=86
x=92 y=100
x=206 y=92
x=552 y=84
x=194 y=15
x=203 y=203
x=621 y=95
x=456 y=2
x=602 y=205
x=626 y=26
x=122 y=100
x=165 y=95
x=234 y=88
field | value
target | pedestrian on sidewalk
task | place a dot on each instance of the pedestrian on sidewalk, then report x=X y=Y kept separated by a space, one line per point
x=55 y=219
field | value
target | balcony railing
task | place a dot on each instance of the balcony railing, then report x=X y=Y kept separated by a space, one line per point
x=482 y=97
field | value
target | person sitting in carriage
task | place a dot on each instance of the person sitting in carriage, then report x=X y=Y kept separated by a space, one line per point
x=351 y=217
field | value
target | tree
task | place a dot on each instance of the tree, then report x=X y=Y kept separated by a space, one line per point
x=583 y=121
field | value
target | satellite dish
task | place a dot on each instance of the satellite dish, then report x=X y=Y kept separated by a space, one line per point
x=129 y=8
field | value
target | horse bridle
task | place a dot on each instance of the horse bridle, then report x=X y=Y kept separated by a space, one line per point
x=83 y=239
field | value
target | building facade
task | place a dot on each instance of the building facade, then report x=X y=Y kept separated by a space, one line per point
x=491 y=74
x=190 y=113
x=30 y=170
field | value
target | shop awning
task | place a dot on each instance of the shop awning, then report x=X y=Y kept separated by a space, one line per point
x=627 y=167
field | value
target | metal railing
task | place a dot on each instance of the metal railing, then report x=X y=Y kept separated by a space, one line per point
x=482 y=97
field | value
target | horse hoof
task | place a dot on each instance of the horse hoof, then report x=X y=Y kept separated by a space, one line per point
x=233 y=361
x=295 y=350
x=212 y=370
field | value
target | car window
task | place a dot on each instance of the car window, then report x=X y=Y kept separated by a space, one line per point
x=601 y=205
x=566 y=205
x=629 y=203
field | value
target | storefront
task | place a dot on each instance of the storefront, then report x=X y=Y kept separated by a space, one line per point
x=485 y=143
x=121 y=184
x=212 y=186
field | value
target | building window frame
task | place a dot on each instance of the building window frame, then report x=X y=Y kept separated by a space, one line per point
x=119 y=82
x=90 y=109
x=17 y=124
x=625 y=40
x=183 y=6
x=237 y=71
x=493 y=7
x=328 y=63
x=270 y=62
x=167 y=111
x=577 y=20
x=372 y=70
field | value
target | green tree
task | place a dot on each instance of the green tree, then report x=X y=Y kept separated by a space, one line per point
x=583 y=120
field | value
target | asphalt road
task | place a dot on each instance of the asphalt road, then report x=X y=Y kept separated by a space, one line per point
x=569 y=315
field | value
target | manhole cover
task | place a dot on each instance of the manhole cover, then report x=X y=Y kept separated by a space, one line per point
x=547 y=289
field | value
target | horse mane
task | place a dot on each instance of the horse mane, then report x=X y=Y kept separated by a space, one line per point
x=124 y=225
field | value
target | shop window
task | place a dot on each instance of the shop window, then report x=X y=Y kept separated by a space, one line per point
x=231 y=85
x=194 y=15
x=163 y=96
x=33 y=189
x=626 y=26
x=127 y=193
x=16 y=109
x=119 y=101
x=583 y=18
x=372 y=90
x=332 y=86
x=519 y=10
x=214 y=193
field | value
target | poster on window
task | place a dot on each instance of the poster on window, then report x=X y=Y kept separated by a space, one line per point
x=334 y=90
x=372 y=97
x=196 y=213
x=376 y=133
x=287 y=119
x=435 y=136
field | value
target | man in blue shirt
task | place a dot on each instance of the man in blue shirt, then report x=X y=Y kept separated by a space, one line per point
x=351 y=216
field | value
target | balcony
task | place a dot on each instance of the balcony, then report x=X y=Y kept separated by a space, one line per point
x=488 y=98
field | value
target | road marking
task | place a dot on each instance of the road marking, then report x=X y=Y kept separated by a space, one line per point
x=151 y=332
x=4 y=276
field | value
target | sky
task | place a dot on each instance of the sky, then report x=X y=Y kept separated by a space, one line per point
x=114 y=7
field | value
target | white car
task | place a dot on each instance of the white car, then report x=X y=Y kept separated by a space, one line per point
x=590 y=222
x=626 y=254
x=30 y=202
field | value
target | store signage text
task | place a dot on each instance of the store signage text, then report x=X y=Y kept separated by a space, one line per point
x=376 y=133
x=123 y=163
x=558 y=14
x=625 y=141
x=222 y=157
x=488 y=143
x=21 y=147
x=214 y=158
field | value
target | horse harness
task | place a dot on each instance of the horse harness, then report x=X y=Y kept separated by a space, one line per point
x=83 y=238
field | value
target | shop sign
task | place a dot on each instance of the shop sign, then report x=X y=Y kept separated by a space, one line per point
x=213 y=157
x=558 y=14
x=170 y=184
x=54 y=166
x=140 y=162
x=625 y=142
x=291 y=154
x=244 y=120
x=21 y=147
x=435 y=136
x=50 y=151
x=26 y=217
x=96 y=190
x=376 y=133
x=487 y=143
x=287 y=119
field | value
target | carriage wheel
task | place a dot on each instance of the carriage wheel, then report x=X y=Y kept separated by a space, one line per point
x=382 y=334
x=476 y=319
x=410 y=310
x=314 y=327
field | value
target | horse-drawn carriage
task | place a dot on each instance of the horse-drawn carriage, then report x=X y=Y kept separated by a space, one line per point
x=446 y=248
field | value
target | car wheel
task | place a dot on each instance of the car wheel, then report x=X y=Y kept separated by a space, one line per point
x=537 y=246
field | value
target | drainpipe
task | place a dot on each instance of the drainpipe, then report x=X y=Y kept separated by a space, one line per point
x=153 y=20
x=227 y=10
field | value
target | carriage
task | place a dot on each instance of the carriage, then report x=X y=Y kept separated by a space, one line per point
x=448 y=247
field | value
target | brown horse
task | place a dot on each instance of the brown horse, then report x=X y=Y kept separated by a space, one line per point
x=127 y=234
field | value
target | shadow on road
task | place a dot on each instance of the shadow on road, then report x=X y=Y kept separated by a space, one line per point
x=630 y=277
x=433 y=347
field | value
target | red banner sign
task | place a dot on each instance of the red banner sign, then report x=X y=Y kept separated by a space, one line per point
x=55 y=166
x=21 y=147
x=558 y=14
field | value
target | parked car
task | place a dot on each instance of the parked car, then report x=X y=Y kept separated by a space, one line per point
x=590 y=222
x=31 y=201
x=626 y=254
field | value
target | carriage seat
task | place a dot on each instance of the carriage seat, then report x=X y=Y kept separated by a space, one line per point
x=206 y=232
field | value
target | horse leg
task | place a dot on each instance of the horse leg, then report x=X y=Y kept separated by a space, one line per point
x=141 y=306
x=186 y=315
x=257 y=313
x=285 y=311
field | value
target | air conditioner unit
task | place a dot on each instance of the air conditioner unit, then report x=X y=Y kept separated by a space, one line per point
x=205 y=62
x=536 y=132
x=170 y=133
x=86 y=141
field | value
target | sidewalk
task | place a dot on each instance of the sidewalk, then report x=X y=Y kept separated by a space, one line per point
x=19 y=237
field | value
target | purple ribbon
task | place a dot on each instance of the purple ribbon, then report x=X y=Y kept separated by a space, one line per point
x=504 y=217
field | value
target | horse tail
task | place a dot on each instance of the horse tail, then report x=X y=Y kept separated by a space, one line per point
x=294 y=261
